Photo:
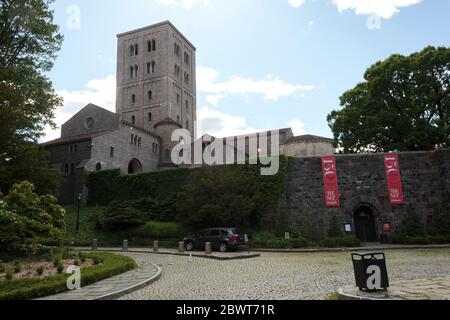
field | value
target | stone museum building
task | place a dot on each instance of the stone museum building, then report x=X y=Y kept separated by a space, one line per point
x=156 y=94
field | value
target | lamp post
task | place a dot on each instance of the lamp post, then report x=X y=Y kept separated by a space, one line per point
x=78 y=211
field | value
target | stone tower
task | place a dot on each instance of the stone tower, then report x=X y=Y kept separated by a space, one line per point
x=156 y=82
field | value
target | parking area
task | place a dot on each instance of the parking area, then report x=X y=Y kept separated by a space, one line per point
x=277 y=275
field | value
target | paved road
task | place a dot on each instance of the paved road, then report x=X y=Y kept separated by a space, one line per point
x=277 y=275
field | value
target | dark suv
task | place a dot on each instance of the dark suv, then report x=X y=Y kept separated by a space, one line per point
x=223 y=239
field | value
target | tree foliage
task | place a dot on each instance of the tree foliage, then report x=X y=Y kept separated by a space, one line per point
x=29 y=42
x=403 y=105
x=26 y=217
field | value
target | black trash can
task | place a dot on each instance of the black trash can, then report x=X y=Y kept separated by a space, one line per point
x=370 y=271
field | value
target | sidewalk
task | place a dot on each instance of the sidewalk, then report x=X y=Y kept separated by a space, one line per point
x=421 y=289
x=114 y=287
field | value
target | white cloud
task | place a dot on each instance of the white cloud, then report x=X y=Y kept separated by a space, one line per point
x=383 y=8
x=296 y=3
x=219 y=124
x=297 y=126
x=271 y=87
x=101 y=92
x=185 y=4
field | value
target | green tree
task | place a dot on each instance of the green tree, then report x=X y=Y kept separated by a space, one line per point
x=29 y=41
x=26 y=218
x=403 y=104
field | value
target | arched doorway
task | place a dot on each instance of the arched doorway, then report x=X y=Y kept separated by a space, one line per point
x=134 y=166
x=365 y=226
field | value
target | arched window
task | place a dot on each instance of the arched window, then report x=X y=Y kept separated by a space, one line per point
x=133 y=120
x=150 y=95
x=136 y=50
x=98 y=166
x=133 y=98
x=131 y=72
x=136 y=71
x=131 y=51
x=150 y=117
x=135 y=140
x=153 y=68
x=149 y=46
x=167 y=155
x=154 y=44
x=132 y=138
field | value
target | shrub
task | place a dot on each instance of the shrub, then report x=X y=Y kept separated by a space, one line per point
x=345 y=241
x=2 y=267
x=17 y=266
x=299 y=242
x=56 y=260
x=412 y=224
x=60 y=267
x=26 y=218
x=40 y=270
x=160 y=230
x=9 y=275
x=328 y=243
x=119 y=216
x=335 y=229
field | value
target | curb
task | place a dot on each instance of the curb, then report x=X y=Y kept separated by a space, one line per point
x=350 y=297
x=312 y=250
x=117 y=294
x=194 y=255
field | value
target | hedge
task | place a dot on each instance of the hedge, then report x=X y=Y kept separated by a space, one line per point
x=22 y=289
x=107 y=185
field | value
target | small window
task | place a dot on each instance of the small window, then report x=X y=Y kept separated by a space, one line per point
x=153 y=69
x=139 y=141
x=149 y=46
x=154 y=44
x=131 y=51
x=132 y=138
x=133 y=120
x=136 y=50
x=187 y=124
x=136 y=71
x=111 y=152
x=150 y=95
x=178 y=119
x=178 y=98
x=133 y=98
x=66 y=170
x=72 y=169
x=150 y=117
x=131 y=72
x=98 y=166
x=153 y=147
x=135 y=140
x=167 y=155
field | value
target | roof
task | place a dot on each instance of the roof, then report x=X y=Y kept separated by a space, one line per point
x=167 y=121
x=159 y=24
x=72 y=139
x=307 y=138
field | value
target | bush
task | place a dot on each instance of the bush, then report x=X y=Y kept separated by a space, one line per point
x=160 y=230
x=26 y=217
x=9 y=275
x=56 y=260
x=345 y=241
x=17 y=266
x=40 y=270
x=299 y=242
x=60 y=267
x=2 y=267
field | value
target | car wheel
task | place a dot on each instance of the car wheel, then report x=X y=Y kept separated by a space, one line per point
x=189 y=246
x=223 y=247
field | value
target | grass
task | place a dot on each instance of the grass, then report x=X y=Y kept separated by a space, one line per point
x=333 y=296
x=87 y=231
x=22 y=289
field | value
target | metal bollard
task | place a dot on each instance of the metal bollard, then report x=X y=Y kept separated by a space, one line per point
x=94 y=244
x=208 y=249
x=155 y=246
x=181 y=246
x=125 y=245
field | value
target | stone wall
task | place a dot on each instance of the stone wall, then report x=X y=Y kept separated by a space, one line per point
x=362 y=182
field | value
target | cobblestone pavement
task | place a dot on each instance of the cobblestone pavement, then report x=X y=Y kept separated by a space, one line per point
x=420 y=289
x=277 y=275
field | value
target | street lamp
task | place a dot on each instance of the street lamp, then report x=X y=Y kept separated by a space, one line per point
x=78 y=211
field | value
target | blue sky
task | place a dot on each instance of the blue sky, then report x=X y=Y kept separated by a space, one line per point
x=261 y=64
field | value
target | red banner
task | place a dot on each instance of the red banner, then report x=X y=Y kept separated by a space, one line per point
x=393 y=179
x=330 y=182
